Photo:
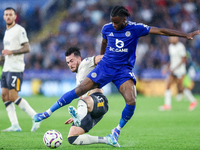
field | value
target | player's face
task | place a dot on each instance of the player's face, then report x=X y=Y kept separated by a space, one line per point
x=118 y=22
x=9 y=16
x=73 y=62
x=173 y=39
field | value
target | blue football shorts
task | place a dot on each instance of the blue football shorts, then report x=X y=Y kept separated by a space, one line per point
x=12 y=80
x=102 y=74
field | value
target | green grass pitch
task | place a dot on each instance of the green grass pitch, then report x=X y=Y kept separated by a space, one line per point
x=148 y=129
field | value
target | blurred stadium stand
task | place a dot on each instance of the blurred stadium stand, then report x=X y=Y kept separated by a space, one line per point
x=55 y=25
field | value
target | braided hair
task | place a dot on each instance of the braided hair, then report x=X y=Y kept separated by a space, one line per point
x=120 y=11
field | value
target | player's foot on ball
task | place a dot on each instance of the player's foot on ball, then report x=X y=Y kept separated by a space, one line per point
x=74 y=114
x=115 y=133
x=35 y=126
x=40 y=116
x=164 y=107
x=13 y=128
x=112 y=141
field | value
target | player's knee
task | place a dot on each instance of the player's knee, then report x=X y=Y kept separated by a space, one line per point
x=131 y=101
x=71 y=139
x=4 y=97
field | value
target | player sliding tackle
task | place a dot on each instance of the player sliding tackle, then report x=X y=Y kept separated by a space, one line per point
x=119 y=42
x=91 y=107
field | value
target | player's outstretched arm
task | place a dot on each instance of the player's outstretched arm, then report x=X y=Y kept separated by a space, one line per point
x=169 y=32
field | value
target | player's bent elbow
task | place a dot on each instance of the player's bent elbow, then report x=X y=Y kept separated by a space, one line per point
x=71 y=139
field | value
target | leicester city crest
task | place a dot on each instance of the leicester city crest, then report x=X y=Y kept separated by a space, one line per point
x=128 y=33
x=94 y=75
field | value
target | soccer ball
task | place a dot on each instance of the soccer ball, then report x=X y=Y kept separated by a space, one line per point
x=52 y=138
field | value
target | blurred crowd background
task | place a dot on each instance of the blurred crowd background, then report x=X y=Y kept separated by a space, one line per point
x=55 y=25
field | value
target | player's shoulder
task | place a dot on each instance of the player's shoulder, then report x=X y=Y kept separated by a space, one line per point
x=19 y=27
x=107 y=26
x=88 y=60
x=131 y=23
x=181 y=45
x=136 y=25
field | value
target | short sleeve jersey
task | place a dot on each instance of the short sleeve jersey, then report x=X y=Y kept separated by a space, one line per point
x=85 y=67
x=13 y=40
x=121 y=44
x=176 y=53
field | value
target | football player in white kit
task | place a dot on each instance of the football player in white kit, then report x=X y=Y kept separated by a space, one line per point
x=177 y=69
x=16 y=44
x=90 y=107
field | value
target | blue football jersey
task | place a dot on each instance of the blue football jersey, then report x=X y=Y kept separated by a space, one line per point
x=121 y=45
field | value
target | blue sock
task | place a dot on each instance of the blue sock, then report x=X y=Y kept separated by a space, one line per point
x=127 y=113
x=64 y=100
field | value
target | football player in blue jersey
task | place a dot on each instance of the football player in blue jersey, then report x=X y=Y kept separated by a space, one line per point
x=119 y=43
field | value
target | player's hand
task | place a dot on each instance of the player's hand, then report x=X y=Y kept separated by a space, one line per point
x=70 y=120
x=6 y=52
x=192 y=34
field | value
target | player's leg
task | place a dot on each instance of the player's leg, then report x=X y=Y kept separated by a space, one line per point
x=76 y=134
x=84 y=106
x=179 y=96
x=10 y=108
x=67 y=98
x=168 y=94
x=128 y=91
x=188 y=94
x=14 y=85
x=24 y=105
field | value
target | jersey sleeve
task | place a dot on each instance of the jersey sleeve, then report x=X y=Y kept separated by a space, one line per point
x=142 y=29
x=103 y=33
x=22 y=36
x=89 y=61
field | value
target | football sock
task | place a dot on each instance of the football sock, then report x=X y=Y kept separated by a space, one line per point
x=127 y=113
x=24 y=105
x=189 y=95
x=86 y=139
x=10 y=108
x=179 y=96
x=64 y=100
x=168 y=97
x=82 y=109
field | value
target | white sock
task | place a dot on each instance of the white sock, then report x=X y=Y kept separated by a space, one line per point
x=86 y=139
x=49 y=112
x=24 y=105
x=189 y=95
x=119 y=128
x=10 y=108
x=168 y=97
x=179 y=96
x=82 y=109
